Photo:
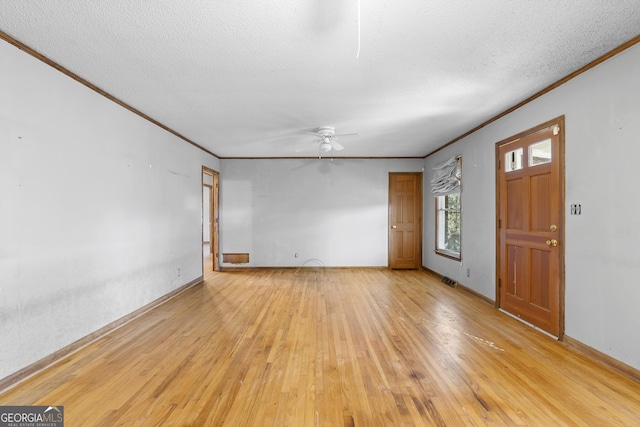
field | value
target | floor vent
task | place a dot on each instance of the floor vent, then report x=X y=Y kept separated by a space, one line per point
x=449 y=281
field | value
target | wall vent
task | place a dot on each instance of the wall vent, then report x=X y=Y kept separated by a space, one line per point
x=235 y=258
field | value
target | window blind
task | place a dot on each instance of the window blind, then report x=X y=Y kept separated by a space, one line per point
x=446 y=177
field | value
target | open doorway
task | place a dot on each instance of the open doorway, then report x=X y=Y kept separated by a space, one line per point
x=210 y=197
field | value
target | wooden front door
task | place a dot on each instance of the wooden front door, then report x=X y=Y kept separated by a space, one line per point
x=530 y=249
x=405 y=220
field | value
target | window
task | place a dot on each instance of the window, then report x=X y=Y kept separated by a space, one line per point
x=448 y=217
x=446 y=187
x=513 y=160
x=540 y=153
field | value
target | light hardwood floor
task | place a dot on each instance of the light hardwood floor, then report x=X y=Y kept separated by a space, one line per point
x=335 y=347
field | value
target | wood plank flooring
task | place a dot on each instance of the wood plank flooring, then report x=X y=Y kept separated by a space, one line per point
x=335 y=347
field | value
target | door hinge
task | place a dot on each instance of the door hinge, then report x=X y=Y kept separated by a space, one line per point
x=499 y=223
x=499 y=283
x=499 y=164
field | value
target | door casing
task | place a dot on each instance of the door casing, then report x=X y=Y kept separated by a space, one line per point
x=213 y=215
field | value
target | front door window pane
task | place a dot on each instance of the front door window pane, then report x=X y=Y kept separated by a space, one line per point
x=513 y=160
x=540 y=153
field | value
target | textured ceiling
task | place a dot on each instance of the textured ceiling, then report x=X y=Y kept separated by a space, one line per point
x=248 y=79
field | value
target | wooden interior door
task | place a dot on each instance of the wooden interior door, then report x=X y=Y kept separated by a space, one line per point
x=530 y=220
x=405 y=220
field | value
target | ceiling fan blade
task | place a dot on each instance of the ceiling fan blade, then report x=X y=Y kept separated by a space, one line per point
x=285 y=134
x=346 y=134
x=336 y=145
x=306 y=145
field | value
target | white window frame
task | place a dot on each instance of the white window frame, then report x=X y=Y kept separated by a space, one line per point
x=442 y=213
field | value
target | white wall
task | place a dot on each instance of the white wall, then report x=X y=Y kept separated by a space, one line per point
x=100 y=211
x=334 y=211
x=602 y=266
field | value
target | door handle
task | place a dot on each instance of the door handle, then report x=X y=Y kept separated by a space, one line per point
x=393 y=226
x=552 y=242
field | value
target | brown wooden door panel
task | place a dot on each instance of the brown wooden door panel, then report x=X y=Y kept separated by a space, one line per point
x=405 y=220
x=405 y=250
x=513 y=195
x=530 y=242
x=540 y=194
x=515 y=284
x=540 y=265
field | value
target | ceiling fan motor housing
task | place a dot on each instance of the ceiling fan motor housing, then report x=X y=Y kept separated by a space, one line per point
x=326 y=131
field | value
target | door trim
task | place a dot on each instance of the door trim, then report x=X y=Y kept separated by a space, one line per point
x=213 y=215
x=561 y=159
x=210 y=232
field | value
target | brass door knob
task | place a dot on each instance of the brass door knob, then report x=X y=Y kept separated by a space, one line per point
x=553 y=227
x=393 y=226
x=552 y=242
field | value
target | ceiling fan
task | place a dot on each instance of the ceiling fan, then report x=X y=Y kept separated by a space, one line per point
x=326 y=137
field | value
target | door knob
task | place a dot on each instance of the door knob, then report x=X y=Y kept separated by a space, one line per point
x=552 y=242
x=393 y=226
x=553 y=227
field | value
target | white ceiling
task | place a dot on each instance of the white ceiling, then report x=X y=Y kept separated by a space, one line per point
x=248 y=79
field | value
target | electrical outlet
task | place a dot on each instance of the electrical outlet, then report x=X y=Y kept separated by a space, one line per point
x=179 y=272
x=296 y=255
x=468 y=272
